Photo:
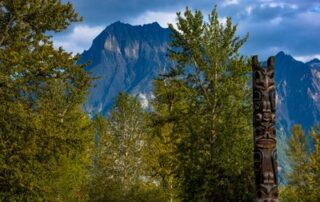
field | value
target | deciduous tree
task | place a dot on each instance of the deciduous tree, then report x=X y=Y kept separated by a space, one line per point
x=205 y=101
x=122 y=160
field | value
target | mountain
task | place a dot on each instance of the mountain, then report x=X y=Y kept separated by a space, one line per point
x=297 y=99
x=125 y=58
x=298 y=91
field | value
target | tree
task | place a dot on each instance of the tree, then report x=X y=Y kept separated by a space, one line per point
x=303 y=179
x=205 y=101
x=43 y=130
x=121 y=172
x=314 y=180
x=127 y=128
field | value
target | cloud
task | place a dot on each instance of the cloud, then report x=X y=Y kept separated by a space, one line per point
x=276 y=20
x=97 y=12
x=306 y=58
x=278 y=26
x=249 y=10
x=290 y=26
x=163 y=18
x=315 y=9
x=230 y=2
x=281 y=5
x=79 y=39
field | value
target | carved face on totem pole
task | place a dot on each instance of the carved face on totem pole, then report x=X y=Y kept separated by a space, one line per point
x=265 y=153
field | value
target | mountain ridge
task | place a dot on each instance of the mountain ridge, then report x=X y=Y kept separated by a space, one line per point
x=134 y=54
x=126 y=58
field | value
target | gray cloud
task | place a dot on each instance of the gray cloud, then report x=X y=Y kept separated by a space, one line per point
x=98 y=12
x=274 y=25
x=292 y=27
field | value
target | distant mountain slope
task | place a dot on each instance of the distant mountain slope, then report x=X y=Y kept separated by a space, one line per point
x=298 y=100
x=125 y=58
x=298 y=92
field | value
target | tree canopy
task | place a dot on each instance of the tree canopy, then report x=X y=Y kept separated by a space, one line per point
x=203 y=106
x=43 y=130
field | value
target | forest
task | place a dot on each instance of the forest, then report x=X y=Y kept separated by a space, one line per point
x=194 y=143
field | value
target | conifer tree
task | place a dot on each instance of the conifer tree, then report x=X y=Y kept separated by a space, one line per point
x=303 y=179
x=315 y=165
x=298 y=156
x=206 y=101
x=43 y=130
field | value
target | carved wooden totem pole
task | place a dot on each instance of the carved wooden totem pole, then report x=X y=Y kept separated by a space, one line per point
x=265 y=151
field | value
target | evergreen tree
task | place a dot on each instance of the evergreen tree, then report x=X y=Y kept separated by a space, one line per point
x=43 y=131
x=165 y=139
x=314 y=179
x=303 y=179
x=205 y=104
x=298 y=156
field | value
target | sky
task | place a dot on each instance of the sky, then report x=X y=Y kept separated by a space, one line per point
x=292 y=26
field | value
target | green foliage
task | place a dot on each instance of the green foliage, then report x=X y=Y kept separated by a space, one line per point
x=113 y=191
x=127 y=130
x=121 y=165
x=303 y=179
x=44 y=135
x=203 y=113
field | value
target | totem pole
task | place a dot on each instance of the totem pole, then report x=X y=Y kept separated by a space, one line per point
x=265 y=151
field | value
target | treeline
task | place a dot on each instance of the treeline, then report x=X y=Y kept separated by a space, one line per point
x=194 y=143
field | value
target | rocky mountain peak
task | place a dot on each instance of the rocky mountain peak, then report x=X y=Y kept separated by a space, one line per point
x=314 y=63
x=125 y=58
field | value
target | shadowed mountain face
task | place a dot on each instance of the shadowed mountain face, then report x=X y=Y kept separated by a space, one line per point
x=298 y=92
x=125 y=58
x=298 y=101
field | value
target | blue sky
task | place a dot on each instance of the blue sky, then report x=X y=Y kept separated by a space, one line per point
x=292 y=26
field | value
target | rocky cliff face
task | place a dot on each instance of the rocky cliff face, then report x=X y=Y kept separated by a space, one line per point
x=298 y=100
x=298 y=92
x=125 y=58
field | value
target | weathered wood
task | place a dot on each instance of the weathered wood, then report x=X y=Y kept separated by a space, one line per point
x=265 y=151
